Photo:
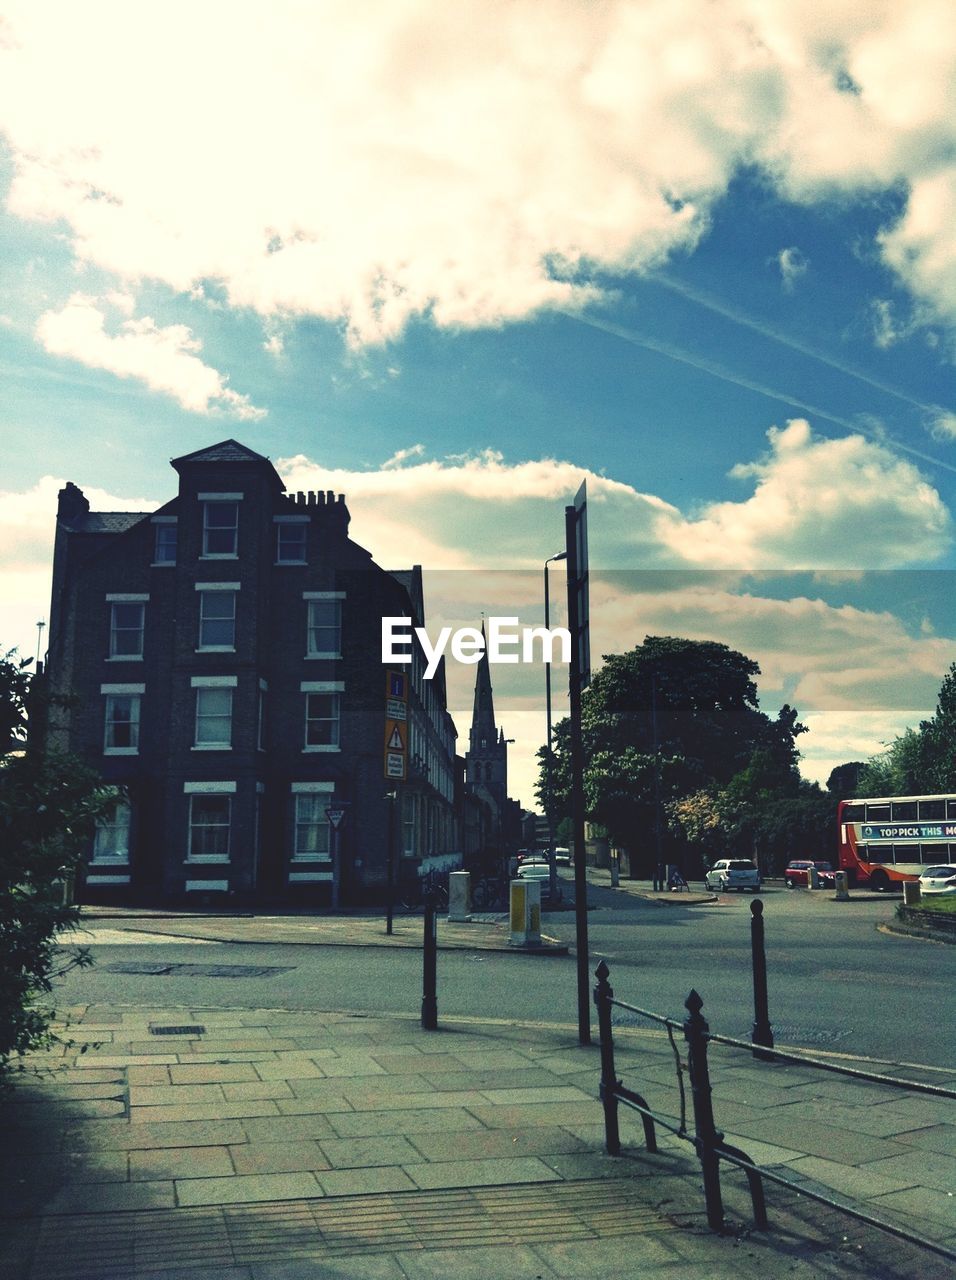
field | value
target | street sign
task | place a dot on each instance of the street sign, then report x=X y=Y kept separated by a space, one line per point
x=335 y=817
x=396 y=726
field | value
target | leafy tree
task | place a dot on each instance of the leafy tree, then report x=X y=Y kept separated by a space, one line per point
x=845 y=778
x=897 y=771
x=663 y=721
x=49 y=803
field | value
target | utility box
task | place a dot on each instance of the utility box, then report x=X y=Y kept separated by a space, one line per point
x=911 y=893
x=842 y=886
x=813 y=877
x=525 y=913
x=459 y=896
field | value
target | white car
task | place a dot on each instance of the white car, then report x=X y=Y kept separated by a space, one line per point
x=941 y=879
x=536 y=869
x=733 y=873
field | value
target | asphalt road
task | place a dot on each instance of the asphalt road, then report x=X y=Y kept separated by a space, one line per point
x=836 y=981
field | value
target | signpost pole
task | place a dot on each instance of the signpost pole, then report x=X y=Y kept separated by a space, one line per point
x=395 y=769
x=575 y=526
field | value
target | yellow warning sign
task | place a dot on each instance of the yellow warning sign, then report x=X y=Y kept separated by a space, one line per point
x=394 y=735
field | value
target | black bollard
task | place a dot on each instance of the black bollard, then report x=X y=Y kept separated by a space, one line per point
x=762 y=1033
x=707 y=1138
x=430 y=967
x=603 y=995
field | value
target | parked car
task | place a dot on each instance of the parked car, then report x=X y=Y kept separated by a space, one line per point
x=733 y=873
x=562 y=857
x=538 y=869
x=524 y=854
x=939 y=879
x=798 y=872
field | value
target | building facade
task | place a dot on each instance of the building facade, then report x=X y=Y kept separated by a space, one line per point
x=223 y=657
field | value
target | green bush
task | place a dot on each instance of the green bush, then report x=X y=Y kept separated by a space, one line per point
x=49 y=803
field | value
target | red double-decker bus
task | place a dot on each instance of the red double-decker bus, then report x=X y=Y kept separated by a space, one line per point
x=887 y=840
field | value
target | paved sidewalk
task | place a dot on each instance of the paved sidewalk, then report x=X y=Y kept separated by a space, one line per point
x=202 y=1144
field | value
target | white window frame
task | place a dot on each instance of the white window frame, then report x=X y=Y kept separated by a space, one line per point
x=208 y=591
x=317 y=802
x=104 y=836
x=160 y=525
x=193 y=826
x=332 y=689
x=209 y=501
x=209 y=684
x=313 y=598
x=127 y=602
x=113 y=692
x=282 y=525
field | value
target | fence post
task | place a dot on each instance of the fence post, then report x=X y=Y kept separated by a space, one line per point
x=430 y=967
x=762 y=1033
x=708 y=1139
x=603 y=994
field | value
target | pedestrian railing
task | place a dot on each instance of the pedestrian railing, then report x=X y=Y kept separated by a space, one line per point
x=707 y=1140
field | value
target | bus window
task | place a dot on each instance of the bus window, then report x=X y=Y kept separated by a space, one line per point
x=951 y=808
x=906 y=853
x=904 y=810
x=863 y=852
x=932 y=810
x=853 y=813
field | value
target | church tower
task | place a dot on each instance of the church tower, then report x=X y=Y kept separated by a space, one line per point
x=486 y=760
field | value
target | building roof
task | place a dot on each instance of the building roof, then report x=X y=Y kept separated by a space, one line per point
x=224 y=451
x=108 y=521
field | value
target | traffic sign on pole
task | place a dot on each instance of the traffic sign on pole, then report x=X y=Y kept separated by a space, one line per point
x=396 y=726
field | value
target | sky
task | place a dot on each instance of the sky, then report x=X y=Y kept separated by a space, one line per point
x=453 y=260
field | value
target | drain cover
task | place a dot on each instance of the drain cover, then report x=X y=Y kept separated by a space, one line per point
x=196 y=970
x=177 y=1031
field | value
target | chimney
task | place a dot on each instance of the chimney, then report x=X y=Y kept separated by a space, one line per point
x=72 y=504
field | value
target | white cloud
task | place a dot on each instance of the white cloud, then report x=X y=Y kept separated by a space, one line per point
x=368 y=164
x=943 y=426
x=165 y=359
x=819 y=504
x=793 y=264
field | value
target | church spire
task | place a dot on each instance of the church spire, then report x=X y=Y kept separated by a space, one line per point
x=483 y=732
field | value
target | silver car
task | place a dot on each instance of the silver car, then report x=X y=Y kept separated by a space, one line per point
x=733 y=873
x=941 y=879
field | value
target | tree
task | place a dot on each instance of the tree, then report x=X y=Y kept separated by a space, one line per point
x=49 y=803
x=669 y=718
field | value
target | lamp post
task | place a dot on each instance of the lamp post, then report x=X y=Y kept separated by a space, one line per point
x=549 y=812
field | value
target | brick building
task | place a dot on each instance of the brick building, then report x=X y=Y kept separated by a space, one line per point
x=224 y=653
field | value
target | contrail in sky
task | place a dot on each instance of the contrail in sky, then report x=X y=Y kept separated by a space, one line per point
x=768 y=331
x=748 y=384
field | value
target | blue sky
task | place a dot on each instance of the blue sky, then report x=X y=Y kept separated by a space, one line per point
x=450 y=261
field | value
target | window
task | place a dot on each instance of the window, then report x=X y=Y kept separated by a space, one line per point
x=932 y=810
x=111 y=839
x=322 y=720
x=904 y=810
x=210 y=818
x=312 y=832
x=325 y=628
x=220 y=529
x=167 y=535
x=877 y=813
x=291 y=541
x=126 y=629
x=213 y=717
x=121 y=736
x=217 y=619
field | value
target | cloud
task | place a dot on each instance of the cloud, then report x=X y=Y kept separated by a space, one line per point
x=793 y=265
x=472 y=514
x=943 y=426
x=820 y=504
x=472 y=164
x=164 y=359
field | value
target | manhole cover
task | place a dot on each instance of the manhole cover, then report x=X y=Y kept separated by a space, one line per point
x=157 y=968
x=790 y=1033
x=136 y=966
x=177 y=1031
x=230 y=970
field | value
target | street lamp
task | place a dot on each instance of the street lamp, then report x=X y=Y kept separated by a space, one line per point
x=562 y=555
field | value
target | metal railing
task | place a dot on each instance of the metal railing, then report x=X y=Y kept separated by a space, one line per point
x=707 y=1139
